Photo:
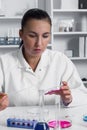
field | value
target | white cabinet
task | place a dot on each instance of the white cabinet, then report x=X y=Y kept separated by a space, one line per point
x=69 y=31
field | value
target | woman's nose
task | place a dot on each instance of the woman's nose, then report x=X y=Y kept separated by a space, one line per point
x=39 y=41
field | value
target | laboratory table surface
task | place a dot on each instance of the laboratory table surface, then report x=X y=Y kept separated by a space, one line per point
x=74 y=114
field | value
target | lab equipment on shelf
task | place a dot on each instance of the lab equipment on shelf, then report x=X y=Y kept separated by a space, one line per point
x=10 y=40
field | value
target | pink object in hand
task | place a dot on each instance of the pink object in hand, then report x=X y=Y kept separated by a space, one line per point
x=63 y=124
x=52 y=91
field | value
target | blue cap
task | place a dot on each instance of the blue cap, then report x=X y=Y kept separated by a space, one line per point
x=85 y=118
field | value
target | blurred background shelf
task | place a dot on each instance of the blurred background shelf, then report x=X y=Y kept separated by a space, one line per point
x=69 y=26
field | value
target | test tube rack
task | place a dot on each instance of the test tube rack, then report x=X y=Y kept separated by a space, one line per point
x=21 y=123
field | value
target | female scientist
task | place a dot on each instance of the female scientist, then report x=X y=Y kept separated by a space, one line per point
x=33 y=67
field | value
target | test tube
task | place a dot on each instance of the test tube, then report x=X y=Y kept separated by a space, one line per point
x=41 y=105
x=57 y=112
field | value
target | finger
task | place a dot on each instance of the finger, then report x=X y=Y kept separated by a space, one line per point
x=3 y=107
x=65 y=91
x=68 y=98
x=2 y=95
x=64 y=83
x=64 y=87
x=3 y=98
x=4 y=104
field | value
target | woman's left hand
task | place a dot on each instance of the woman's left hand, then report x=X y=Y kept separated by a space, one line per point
x=65 y=93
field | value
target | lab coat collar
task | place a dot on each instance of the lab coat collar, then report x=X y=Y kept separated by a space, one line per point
x=44 y=61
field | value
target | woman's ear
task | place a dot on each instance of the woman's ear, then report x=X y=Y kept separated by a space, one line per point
x=20 y=33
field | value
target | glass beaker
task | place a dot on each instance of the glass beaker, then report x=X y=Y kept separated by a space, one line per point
x=60 y=121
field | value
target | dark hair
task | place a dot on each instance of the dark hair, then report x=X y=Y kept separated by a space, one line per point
x=35 y=13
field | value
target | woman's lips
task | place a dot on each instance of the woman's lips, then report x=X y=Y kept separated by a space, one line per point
x=37 y=50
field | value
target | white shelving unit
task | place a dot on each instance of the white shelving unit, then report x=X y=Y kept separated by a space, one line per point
x=11 y=13
x=63 y=40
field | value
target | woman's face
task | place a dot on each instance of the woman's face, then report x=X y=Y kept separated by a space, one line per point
x=35 y=36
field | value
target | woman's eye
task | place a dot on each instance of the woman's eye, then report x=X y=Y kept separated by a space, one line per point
x=45 y=36
x=31 y=35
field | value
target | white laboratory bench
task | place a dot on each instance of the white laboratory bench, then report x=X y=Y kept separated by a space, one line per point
x=75 y=114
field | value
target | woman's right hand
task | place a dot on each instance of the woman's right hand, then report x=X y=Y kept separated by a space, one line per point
x=4 y=101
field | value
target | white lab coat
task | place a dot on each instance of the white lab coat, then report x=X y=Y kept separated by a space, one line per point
x=22 y=85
